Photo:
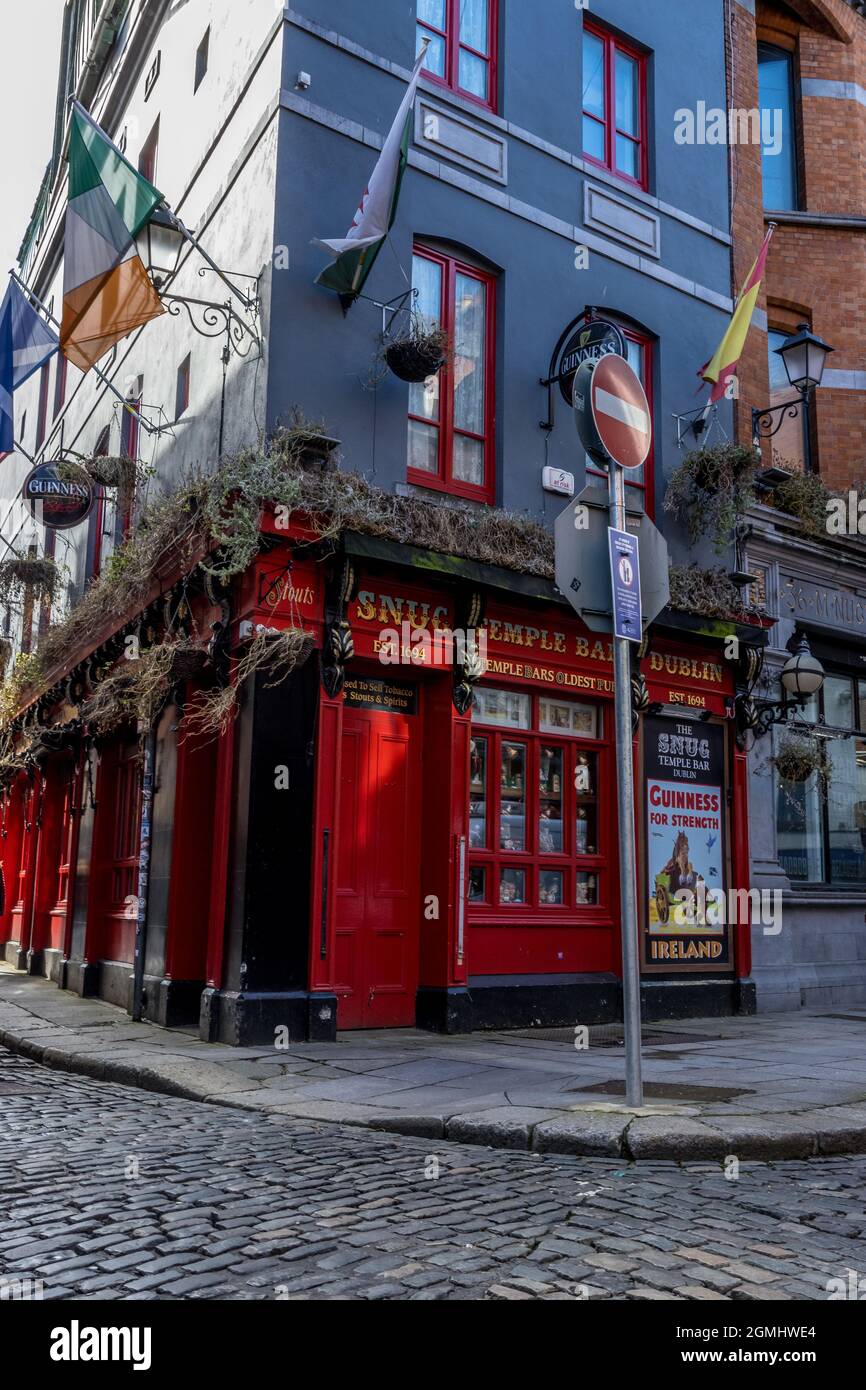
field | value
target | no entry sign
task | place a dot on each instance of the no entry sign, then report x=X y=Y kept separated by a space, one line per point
x=618 y=408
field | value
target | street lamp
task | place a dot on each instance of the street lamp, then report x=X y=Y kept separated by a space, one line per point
x=805 y=357
x=160 y=243
x=802 y=676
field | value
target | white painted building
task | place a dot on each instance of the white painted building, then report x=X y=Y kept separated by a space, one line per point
x=189 y=91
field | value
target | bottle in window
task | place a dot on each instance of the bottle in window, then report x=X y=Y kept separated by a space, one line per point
x=583 y=776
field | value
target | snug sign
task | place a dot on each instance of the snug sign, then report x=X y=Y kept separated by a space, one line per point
x=55 y=501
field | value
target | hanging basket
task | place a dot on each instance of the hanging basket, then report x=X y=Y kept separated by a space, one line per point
x=186 y=663
x=418 y=356
x=798 y=758
x=18 y=573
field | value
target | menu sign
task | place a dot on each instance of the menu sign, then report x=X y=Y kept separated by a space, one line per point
x=686 y=918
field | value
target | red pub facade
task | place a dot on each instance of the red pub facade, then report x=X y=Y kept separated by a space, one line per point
x=385 y=839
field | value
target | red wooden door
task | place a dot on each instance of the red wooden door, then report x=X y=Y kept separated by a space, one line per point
x=377 y=881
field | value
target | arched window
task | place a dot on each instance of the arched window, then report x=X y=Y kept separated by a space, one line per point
x=639 y=481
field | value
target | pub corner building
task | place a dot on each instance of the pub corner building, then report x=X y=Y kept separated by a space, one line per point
x=397 y=832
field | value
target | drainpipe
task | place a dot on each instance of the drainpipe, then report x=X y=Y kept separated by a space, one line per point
x=143 y=873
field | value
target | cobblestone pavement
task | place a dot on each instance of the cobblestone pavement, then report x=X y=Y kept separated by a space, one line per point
x=115 y=1193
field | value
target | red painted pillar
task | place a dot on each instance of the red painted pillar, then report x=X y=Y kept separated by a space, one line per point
x=22 y=912
x=11 y=834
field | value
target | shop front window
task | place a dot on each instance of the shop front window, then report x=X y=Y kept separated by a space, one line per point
x=821 y=830
x=540 y=794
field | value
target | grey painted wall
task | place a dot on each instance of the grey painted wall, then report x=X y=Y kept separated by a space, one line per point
x=525 y=229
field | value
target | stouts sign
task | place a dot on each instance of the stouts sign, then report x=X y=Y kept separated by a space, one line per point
x=686 y=926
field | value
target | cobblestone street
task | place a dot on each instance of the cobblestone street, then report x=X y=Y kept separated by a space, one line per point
x=114 y=1193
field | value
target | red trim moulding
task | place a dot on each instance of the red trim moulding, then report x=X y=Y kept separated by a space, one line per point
x=325 y=820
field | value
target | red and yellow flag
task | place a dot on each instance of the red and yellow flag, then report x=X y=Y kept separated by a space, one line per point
x=724 y=362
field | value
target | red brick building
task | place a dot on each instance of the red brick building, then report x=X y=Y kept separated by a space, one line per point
x=802 y=63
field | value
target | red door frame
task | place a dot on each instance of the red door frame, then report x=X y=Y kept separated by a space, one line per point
x=10 y=852
x=221 y=857
x=22 y=911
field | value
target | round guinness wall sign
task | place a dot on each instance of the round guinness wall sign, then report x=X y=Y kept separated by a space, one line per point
x=590 y=342
x=58 y=502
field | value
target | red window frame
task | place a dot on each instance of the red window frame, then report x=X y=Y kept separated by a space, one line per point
x=612 y=45
x=532 y=860
x=443 y=480
x=453 y=46
x=647 y=486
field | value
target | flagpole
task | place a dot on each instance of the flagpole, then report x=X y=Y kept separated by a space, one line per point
x=102 y=377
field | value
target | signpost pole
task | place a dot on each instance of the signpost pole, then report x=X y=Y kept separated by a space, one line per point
x=627 y=866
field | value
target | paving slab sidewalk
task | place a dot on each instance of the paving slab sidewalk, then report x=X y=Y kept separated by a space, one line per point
x=773 y=1086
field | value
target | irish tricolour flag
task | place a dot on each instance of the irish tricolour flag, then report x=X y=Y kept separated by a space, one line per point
x=106 y=289
x=358 y=249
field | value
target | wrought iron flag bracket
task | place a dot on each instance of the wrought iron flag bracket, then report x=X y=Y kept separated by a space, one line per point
x=213 y=318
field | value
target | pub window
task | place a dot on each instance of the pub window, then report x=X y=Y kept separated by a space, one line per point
x=779 y=151
x=537 y=786
x=821 y=835
x=614 y=105
x=639 y=481
x=463 y=38
x=451 y=414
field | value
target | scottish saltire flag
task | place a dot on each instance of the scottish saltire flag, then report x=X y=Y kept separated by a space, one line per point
x=26 y=342
x=357 y=250
x=106 y=289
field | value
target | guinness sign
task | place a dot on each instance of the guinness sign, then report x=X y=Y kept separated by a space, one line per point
x=588 y=343
x=56 y=501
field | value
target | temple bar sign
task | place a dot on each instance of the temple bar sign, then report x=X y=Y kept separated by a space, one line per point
x=803 y=600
